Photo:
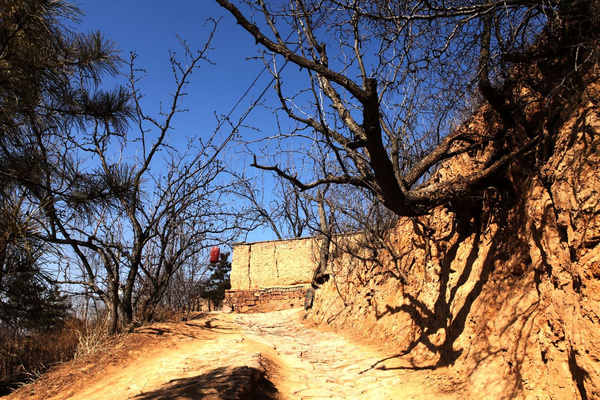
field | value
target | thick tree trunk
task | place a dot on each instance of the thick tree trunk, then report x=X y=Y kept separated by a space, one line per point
x=114 y=308
x=325 y=242
x=127 y=307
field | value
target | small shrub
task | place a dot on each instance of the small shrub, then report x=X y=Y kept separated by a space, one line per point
x=92 y=337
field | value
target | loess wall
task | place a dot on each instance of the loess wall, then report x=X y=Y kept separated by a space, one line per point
x=272 y=275
x=507 y=292
x=273 y=263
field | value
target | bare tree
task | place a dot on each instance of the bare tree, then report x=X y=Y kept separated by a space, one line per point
x=186 y=220
x=389 y=85
x=325 y=234
x=283 y=209
x=364 y=229
x=139 y=208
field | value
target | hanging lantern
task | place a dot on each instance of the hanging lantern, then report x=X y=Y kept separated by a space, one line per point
x=215 y=252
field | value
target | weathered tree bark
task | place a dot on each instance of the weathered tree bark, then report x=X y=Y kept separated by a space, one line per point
x=114 y=308
x=324 y=242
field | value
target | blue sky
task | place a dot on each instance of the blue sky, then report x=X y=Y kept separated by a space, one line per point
x=149 y=28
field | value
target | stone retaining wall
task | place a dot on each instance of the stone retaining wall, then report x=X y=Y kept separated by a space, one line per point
x=266 y=299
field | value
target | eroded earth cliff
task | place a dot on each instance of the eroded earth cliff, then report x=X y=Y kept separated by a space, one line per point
x=504 y=289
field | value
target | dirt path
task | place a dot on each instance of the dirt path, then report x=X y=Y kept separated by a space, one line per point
x=316 y=365
x=229 y=356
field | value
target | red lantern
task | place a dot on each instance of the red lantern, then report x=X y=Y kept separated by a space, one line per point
x=215 y=252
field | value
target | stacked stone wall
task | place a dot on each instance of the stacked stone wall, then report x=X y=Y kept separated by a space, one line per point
x=269 y=299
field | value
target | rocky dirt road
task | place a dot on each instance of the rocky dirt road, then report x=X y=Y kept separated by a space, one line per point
x=307 y=363
x=241 y=356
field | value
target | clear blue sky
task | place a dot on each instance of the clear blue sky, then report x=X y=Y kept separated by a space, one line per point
x=149 y=28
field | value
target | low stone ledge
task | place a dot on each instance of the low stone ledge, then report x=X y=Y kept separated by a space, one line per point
x=266 y=299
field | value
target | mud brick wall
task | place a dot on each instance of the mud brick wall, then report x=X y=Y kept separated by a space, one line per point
x=276 y=263
x=263 y=300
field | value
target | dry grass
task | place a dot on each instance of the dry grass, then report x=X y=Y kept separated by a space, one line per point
x=92 y=337
x=24 y=357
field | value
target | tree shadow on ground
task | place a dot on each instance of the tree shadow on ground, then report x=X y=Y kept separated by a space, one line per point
x=7 y=388
x=200 y=326
x=219 y=383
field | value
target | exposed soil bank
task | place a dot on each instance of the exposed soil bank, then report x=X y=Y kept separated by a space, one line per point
x=505 y=289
